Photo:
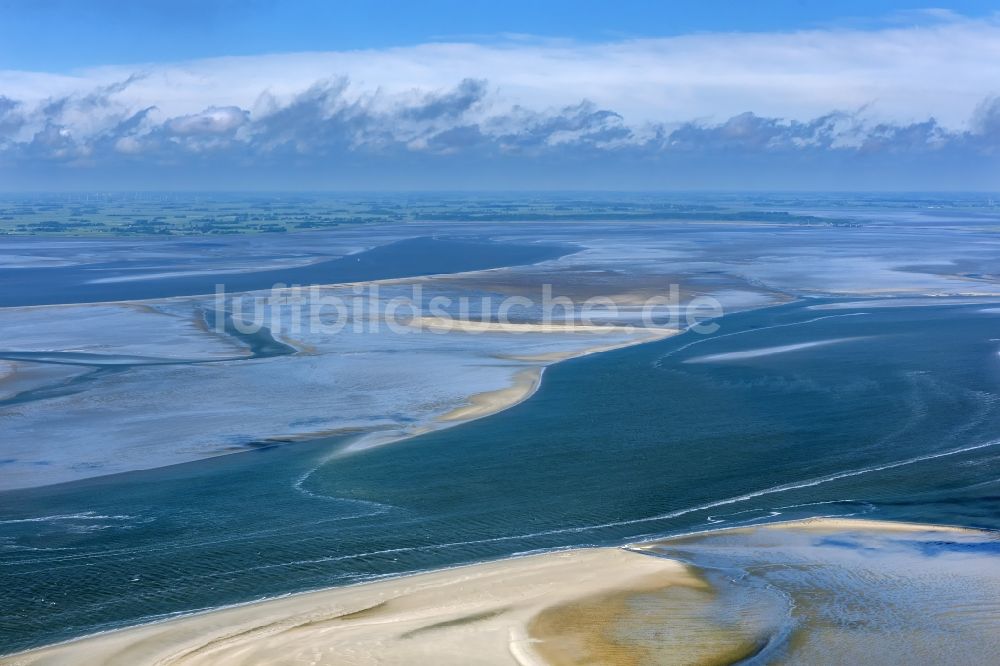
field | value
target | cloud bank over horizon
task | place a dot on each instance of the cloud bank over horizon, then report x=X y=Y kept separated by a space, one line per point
x=898 y=107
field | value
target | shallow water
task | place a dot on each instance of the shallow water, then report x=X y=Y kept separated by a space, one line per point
x=140 y=278
x=847 y=594
x=899 y=419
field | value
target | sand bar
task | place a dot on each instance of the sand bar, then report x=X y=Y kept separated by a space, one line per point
x=447 y=324
x=525 y=383
x=639 y=336
x=477 y=614
x=587 y=605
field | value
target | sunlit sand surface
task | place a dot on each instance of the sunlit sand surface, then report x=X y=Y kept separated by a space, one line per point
x=445 y=324
x=491 y=402
x=609 y=451
x=49 y=373
x=468 y=615
x=807 y=592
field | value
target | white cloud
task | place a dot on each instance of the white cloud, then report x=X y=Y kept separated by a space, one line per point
x=904 y=73
x=862 y=91
x=214 y=120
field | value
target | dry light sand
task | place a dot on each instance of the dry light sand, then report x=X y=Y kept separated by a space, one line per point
x=617 y=606
x=446 y=324
x=490 y=402
x=527 y=380
x=478 y=614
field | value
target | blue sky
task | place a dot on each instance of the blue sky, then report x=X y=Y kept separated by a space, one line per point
x=487 y=95
x=60 y=35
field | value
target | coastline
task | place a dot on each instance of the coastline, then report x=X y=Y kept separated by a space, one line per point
x=425 y=612
x=615 y=598
x=525 y=380
x=528 y=380
x=556 y=607
x=462 y=400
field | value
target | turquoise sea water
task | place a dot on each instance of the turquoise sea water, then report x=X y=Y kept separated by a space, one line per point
x=785 y=412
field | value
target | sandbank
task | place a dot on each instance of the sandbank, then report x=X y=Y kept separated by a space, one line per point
x=627 y=605
x=478 y=614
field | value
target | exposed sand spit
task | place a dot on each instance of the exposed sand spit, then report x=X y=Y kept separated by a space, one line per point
x=477 y=614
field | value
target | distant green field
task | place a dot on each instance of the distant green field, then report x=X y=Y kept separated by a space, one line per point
x=195 y=214
x=174 y=215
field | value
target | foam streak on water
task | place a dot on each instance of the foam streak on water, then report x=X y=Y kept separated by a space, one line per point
x=611 y=448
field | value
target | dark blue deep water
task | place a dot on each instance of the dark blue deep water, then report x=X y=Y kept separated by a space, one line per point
x=896 y=416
